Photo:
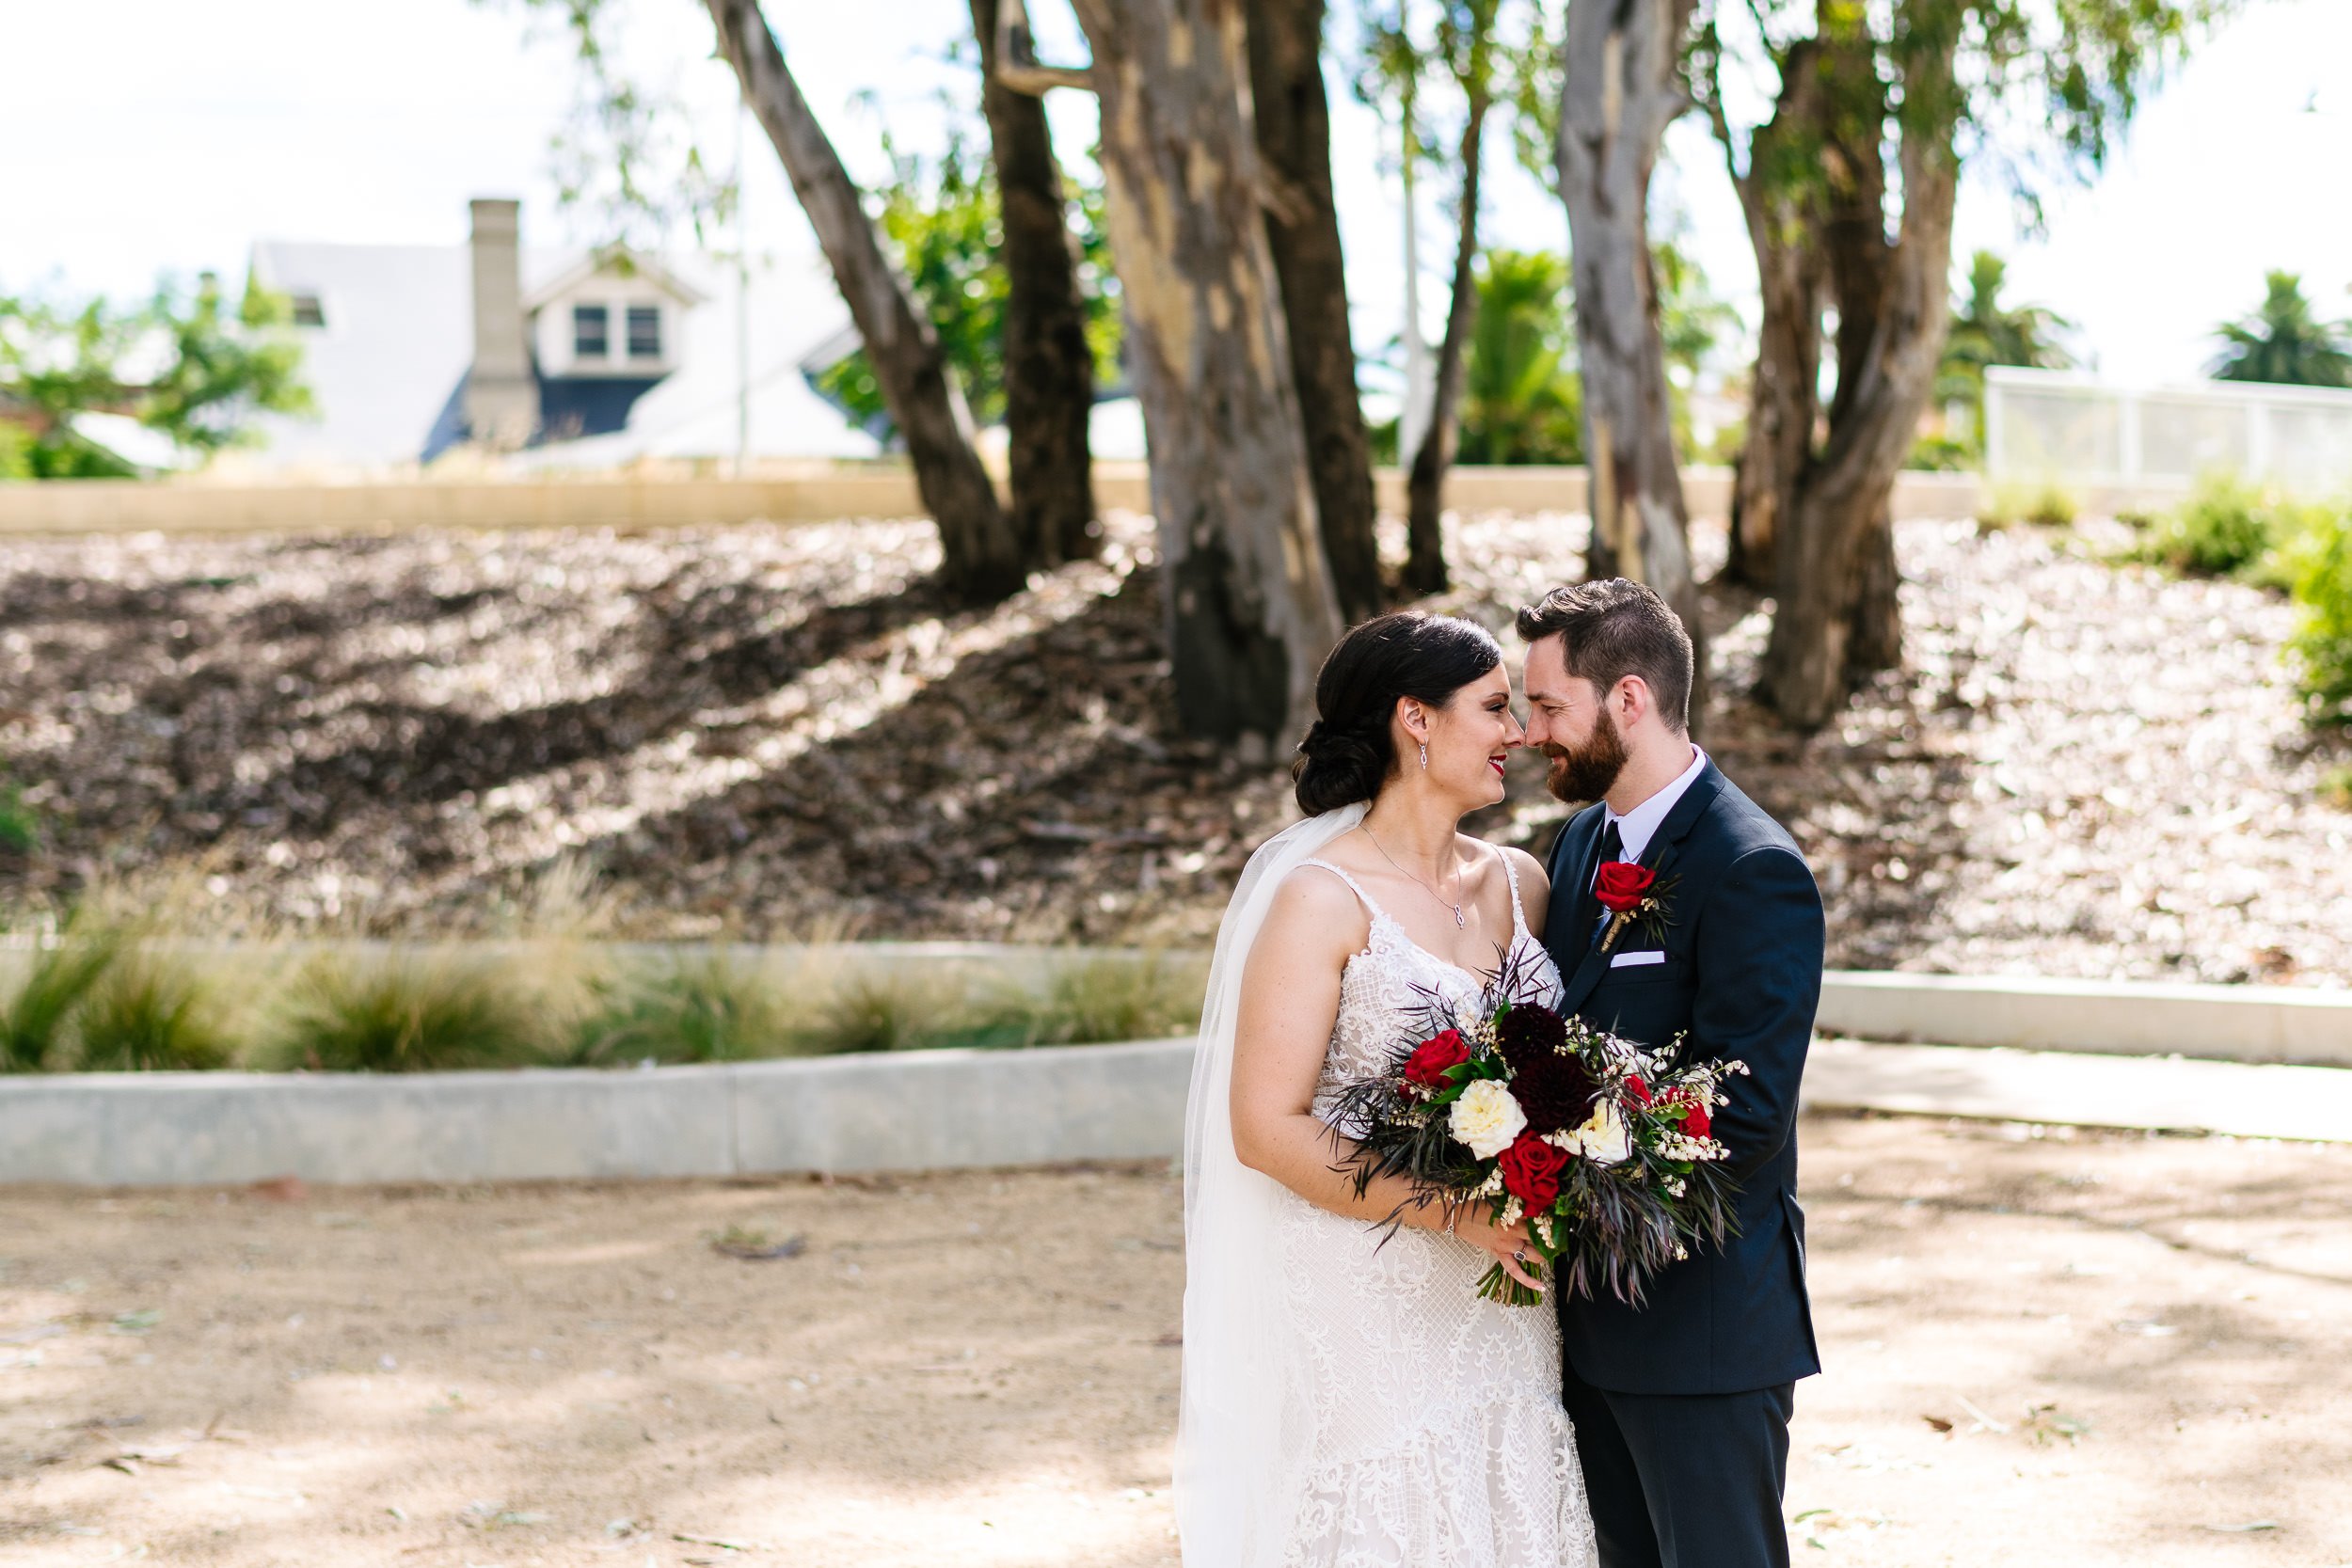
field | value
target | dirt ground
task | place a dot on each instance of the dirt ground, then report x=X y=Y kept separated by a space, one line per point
x=2098 y=1349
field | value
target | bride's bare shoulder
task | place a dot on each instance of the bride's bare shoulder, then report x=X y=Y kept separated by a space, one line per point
x=1534 y=882
x=1314 y=910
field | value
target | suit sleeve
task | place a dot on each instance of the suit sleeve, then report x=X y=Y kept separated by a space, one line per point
x=1758 y=961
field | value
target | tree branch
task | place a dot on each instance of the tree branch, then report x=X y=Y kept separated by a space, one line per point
x=1017 y=65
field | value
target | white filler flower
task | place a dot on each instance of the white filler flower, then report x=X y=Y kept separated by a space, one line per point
x=1485 y=1119
x=1602 y=1138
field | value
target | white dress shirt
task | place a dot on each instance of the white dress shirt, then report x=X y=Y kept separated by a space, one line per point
x=1636 y=828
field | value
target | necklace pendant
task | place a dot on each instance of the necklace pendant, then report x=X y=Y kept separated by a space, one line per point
x=1459 y=924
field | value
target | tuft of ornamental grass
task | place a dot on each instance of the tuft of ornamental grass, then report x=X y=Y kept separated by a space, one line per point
x=150 y=1014
x=1103 y=1000
x=869 y=1012
x=710 y=1009
x=37 y=1025
x=403 y=1013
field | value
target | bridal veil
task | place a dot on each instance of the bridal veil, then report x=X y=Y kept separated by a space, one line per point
x=1244 y=1425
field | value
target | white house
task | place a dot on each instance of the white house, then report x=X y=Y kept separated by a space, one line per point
x=562 y=357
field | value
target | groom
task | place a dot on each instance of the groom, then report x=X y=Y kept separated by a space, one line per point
x=1682 y=1407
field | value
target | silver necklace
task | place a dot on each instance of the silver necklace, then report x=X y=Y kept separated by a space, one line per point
x=1459 y=924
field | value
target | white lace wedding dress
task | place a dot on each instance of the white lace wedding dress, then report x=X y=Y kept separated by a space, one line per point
x=1438 y=1438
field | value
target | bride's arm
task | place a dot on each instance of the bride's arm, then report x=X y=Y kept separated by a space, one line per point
x=1290 y=998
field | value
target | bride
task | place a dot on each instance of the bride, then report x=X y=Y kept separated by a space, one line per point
x=1350 y=1403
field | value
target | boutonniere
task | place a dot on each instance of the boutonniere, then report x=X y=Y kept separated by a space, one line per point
x=1632 y=893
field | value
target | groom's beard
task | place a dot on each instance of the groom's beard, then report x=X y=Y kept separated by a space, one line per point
x=1581 y=773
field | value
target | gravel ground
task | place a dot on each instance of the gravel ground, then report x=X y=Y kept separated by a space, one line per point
x=2101 y=1349
x=2083 y=770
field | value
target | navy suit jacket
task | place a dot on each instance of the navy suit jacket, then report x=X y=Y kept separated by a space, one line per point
x=1740 y=978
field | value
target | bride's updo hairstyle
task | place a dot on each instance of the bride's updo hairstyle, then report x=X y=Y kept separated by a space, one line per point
x=1349 y=751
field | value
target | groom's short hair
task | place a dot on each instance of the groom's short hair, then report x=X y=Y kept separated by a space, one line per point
x=1614 y=629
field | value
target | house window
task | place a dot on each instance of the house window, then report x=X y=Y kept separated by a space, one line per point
x=644 y=332
x=309 y=310
x=592 y=332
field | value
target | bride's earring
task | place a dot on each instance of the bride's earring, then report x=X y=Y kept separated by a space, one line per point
x=1424 y=756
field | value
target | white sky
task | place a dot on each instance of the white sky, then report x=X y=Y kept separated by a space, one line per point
x=154 y=134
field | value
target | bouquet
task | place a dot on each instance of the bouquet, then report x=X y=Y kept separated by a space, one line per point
x=1604 y=1147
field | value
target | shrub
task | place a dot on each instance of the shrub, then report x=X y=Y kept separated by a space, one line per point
x=2335 y=788
x=147 y=1014
x=20 y=826
x=2229 y=528
x=2323 y=585
x=707 y=1010
x=34 y=1024
x=403 y=1014
x=2048 y=505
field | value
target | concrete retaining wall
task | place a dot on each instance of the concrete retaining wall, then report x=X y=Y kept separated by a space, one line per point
x=934 y=1108
x=109 y=506
x=961 y=1109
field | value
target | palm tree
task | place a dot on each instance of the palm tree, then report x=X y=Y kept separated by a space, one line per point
x=1986 y=332
x=1521 y=402
x=2284 y=344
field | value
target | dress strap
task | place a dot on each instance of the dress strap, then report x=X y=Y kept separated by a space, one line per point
x=1518 y=906
x=1354 y=886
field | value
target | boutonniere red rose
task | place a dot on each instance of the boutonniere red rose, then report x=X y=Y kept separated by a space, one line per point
x=1632 y=893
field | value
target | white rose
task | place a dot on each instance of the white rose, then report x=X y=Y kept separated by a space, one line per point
x=1602 y=1138
x=1485 y=1119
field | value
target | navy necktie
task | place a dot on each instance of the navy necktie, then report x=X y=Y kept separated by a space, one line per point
x=1611 y=846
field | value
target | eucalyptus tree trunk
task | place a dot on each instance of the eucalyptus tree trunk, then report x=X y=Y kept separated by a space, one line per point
x=1049 y=370
x=1250 y=605
x=1776 y=198
x=981 y=556
x=1623 y=88
x=1425 y=484
x=1293 y=121
x=1836 y=600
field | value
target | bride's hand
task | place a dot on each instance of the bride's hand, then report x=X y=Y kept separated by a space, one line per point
x=1511 y=1244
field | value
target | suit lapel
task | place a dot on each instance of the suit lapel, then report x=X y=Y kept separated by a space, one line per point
x=1660 y=857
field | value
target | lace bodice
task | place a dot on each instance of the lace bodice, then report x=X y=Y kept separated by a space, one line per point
x=1438 y=1437
x=1388 y=983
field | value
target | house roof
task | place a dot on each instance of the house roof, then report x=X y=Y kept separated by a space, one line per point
x=592 y=263
x=399 y=338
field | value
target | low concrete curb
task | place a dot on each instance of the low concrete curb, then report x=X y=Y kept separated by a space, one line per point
x=2309 y=1103
x=2243 y=1023
x=932 y=1109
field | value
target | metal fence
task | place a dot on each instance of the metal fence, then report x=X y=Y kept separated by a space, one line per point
x=2046 y=426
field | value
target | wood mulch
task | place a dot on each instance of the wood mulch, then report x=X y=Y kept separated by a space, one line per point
x=2083 y=770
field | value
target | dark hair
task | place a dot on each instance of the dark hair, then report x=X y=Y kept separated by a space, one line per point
x=1349 y=751
x=1615 y=628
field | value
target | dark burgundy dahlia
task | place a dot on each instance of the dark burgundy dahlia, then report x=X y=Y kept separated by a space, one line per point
x=1555 y=1091
x=1528 y=1032
x=1552 y=1085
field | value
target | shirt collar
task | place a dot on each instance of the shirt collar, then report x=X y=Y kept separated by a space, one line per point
x=1636 y=828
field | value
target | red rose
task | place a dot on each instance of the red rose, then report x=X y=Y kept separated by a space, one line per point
x=1530 y=1170
x=1620 y=885
x=1427 y=1065
x=1636 y=1090
x=1695 y=1123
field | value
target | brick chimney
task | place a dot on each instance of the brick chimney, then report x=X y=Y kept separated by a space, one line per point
x=502 y=397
